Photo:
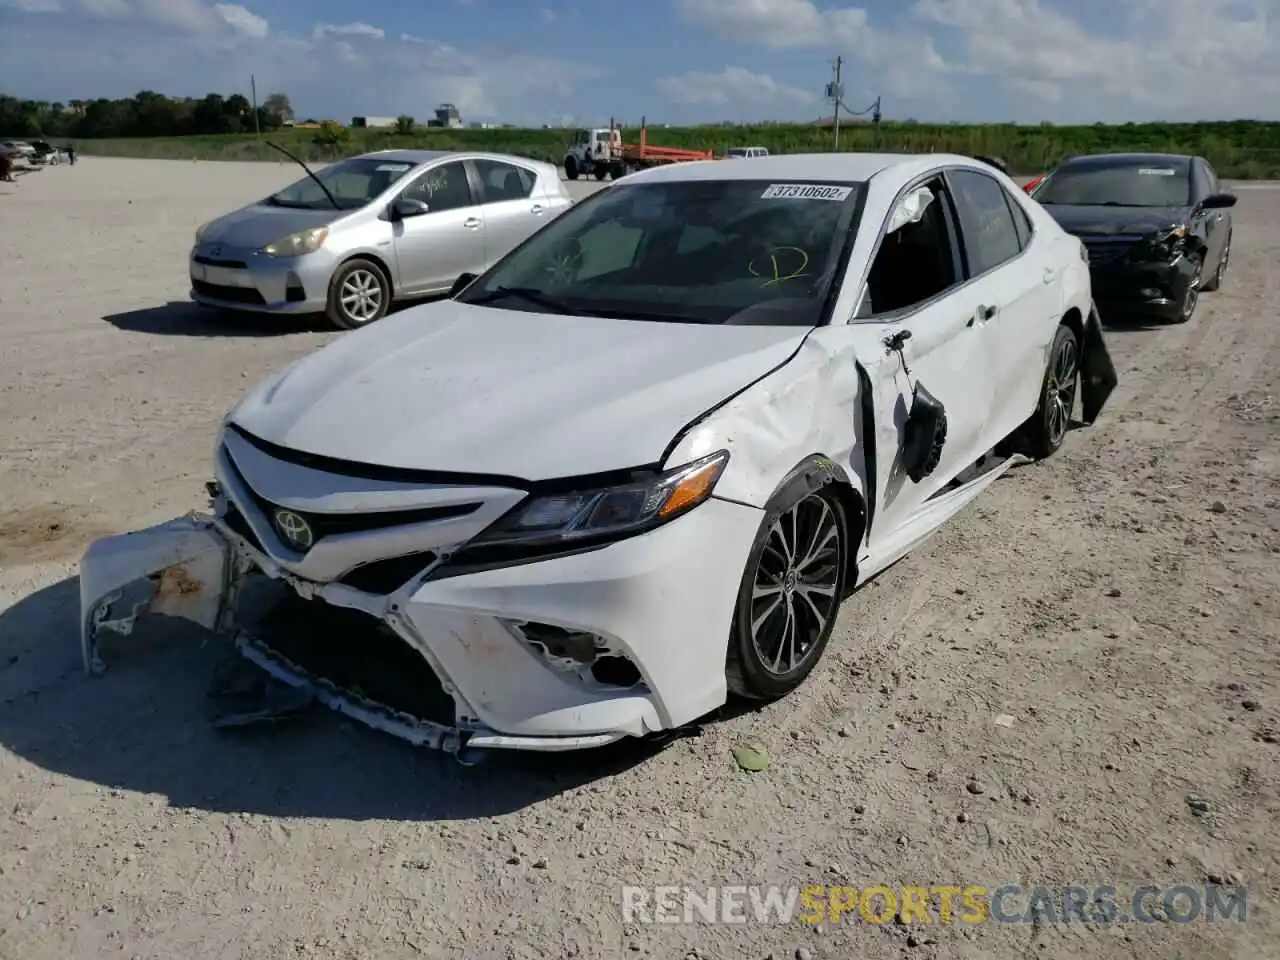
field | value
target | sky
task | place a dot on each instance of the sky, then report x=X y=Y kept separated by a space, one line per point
x=580 y=62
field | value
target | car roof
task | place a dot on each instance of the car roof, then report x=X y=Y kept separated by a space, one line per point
x=427 y=156
x=1126 y=159
x=819 y=167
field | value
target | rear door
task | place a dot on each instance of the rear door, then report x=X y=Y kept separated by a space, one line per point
x=432 y=249
x=1020 y=275
x=511 y=211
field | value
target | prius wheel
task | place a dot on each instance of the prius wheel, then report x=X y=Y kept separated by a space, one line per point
x=358 y=295
x=1042 y=435
x=1215 y=282
x=790 y=594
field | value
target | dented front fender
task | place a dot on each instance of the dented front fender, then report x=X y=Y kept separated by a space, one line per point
x=181 y=568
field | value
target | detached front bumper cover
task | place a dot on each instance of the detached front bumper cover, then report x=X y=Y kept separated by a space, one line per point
x=193 y=568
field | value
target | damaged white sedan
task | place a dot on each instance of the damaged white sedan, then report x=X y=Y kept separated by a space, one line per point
x=636 y=465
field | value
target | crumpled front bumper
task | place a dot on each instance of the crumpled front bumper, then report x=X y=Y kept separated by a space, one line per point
x=663 y=600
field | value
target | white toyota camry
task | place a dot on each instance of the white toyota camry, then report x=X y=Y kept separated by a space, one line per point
x=635 y=466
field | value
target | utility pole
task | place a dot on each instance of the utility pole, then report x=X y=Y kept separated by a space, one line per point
x=836 y=94
x=253 y=92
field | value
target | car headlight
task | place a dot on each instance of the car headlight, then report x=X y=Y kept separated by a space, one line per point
x=610 y=512
x=1162 y=247
x=297 y=244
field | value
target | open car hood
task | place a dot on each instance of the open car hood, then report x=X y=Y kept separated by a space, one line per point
x=477 y=390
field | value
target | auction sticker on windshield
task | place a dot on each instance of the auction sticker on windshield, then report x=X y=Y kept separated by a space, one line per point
x=1156 y=172
x=805 y=191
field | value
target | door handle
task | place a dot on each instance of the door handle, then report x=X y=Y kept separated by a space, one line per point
x=982 y=316
x=471 y=222
x=537 y=210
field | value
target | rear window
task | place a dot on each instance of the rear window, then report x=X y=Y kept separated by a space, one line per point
x=1137 y=184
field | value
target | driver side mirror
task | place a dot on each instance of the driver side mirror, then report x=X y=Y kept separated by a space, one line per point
x=1218 y=201
x=402 y=208
x=464 y=280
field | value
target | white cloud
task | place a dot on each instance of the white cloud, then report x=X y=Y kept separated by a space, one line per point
x=906 y=62
x=732 y=85
x=243 y=20
x=1180 y=58
x=361 y=30
x=192 y=47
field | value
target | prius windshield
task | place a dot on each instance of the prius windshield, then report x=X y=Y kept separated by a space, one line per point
x=692 y=251
x=1154 y=183
x=353 y=183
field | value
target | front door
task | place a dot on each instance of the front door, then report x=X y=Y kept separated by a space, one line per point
x=511 y=212
x=915 y=298
x=433 y=248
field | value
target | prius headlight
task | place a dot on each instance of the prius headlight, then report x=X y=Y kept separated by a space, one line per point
x=604 y=513
x=297 y=244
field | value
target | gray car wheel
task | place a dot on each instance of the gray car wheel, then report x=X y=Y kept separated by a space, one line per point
x=359 y=294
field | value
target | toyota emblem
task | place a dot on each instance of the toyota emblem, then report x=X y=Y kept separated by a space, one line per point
x=215 y=252
x=294 y=529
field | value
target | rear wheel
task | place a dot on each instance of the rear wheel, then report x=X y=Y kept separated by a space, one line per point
x=790 y=593
x=601 y=171
x=1043 y=433
x=359 y=294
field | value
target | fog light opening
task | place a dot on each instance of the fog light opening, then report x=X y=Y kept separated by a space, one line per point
x=584 y=655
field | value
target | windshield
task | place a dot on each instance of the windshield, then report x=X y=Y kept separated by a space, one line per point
x=353 y=183
x=1146 y=184
x=701 y=251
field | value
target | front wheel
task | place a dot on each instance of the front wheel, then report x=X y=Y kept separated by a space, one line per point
x=1043 y=433
x=359 y=294
x=1215 y=282
x=790 y=593
x=571 y=168
x=1191 y=298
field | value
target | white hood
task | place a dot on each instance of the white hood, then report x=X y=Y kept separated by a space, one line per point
x=471 y=389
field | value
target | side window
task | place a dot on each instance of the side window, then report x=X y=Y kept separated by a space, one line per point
x=442 y=188
x=1021 y=222
x=916 y=260
x=1214 y=186
x=986 y=224
x=504 y=181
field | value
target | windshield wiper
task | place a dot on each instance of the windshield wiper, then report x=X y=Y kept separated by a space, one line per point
x=532 y=294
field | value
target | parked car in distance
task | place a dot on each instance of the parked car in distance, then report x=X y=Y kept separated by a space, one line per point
x=18 y=148
x=1157 y=227
x=45 y=153
x=745 y=153
x=354 y=236
x=640 y=461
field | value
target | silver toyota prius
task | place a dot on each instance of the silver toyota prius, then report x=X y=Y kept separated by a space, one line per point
x=352 y=237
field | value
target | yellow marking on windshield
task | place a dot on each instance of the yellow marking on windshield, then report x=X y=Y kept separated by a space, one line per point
x=776 y=270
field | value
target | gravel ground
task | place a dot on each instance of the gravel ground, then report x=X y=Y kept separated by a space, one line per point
x=1077 y=682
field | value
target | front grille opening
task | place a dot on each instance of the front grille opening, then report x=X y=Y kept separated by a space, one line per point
x=234 y=519
x=578 y=653
x=213 y=262
x=217 y=291
x=387 y=576
x=351 y=650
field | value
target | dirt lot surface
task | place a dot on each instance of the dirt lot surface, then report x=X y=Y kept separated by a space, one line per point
x=1077 y=682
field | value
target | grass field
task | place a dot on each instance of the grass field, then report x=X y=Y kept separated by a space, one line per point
x=1242 y=149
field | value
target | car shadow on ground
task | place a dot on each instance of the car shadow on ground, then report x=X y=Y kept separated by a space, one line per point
x=145 y=726
x=1121 y=322
x=186 y=319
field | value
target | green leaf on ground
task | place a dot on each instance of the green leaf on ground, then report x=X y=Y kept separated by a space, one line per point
x=751 y=759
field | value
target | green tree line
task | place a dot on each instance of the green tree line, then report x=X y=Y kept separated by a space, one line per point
x=223 y=128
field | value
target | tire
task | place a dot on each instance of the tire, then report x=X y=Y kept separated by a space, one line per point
x=1042 y=435
x=571 y=168
x=1190 y=299
x=347 y=309
x=601 y=171
x=751 y=668
x=617 y=170
x=1215 y=282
